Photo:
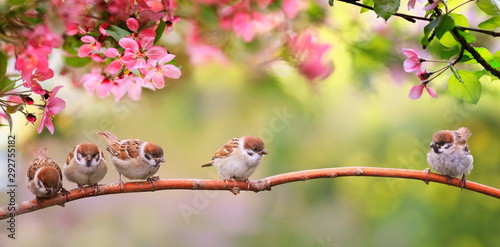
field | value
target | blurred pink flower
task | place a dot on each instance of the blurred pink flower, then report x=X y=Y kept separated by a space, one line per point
x=43 y=36
x=200 y=52
x=161 y=70
x=95 y=81
x=53 y=106
x=309 y=56
x=86 y=49
x=131 y=85
x=102 y=29
x=432 y=5
x=416 y=91
x=32 y=58
x=292 y=7
x=413 y=62
x=411 y=4
x=247 y=25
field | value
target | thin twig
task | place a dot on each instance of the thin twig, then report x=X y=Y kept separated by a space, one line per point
x=235 y=187
x=412 y=18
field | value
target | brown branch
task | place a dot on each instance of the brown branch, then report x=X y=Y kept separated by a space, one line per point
x=412 y=18
x=235 y=187
x=474 y=53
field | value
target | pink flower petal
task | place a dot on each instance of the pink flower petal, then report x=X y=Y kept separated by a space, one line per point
x=111 y=52
x=431 y=6
x=431 y=92
x=84 y=50
x=410 y=53
x=411 y=65
x=171 y=71
x=411 y=4
x=156 y=52
x=88 y=39
x=115 y=66
x=55 y=90
x=55 y=106
x=416 y=91
x=132 y=24
x=129 y=43
x=42 y=123
x=158 y=80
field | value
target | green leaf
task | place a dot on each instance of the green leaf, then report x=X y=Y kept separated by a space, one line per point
x=448 y=40
x=427 y=30
x=6 y=84
x=3 y=64
x=491 y=23
x=479 y=73
x=76 y=62
x=468 y=37
x=484 y=53
x=385 y=8
x=490 y=7
x=465 y=86
x=460 y=20
x=159 y=30
x=116 y=32
x=444 y=24
x=330 y=2
x=368 y=3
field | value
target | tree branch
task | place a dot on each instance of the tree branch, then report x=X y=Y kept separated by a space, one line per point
x=235 y=187
x=474 y=53
x=412 y=18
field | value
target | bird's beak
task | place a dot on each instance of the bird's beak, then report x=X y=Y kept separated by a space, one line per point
x=263 y=152
x=162 y=160
x=433 y=144
x=51 y=189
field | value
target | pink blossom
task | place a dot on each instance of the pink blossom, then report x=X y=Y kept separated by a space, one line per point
x=131 y=85
x=200 y=52
x=32 y=58
x=102 y=29
x=86 y=49
x=246 y=25
x=432 y=5
x=413 y=62
x=137 y=54
x=162 y=70
x=141 y=3
x=116 y=65
x=411 y=4
x=43 y=36
x=309 y=56
x=53 y=106
x=416 y=91
x=39 y=75
x=132 y=24
x=292 y=7
x=95 y=81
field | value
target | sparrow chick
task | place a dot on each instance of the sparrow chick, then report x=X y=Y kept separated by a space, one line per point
x=44 y=175
x=449 y=153
x=85 y=165
x=133 y=158
x=238 y=158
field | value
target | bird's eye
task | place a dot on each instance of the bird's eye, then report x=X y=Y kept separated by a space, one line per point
x=255 y=149
x=154 y=155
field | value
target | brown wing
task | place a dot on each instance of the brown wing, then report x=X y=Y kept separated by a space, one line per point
x=224 y=151
x=39 y=163
x=70 y=155
x=125 y=149
x=462 y=135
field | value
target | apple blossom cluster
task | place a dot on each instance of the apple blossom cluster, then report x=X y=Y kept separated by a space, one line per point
x=113 y=39
x=252 y=22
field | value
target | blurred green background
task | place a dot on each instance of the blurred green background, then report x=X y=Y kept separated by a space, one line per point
x=359 y=116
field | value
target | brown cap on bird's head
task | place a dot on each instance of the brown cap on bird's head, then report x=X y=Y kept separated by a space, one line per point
x=255 y=143
x=49 y=176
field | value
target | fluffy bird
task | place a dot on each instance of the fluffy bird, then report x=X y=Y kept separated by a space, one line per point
x=134 y=158
x=85 y=165
x=449 y=153
x=44 y=175
x=238 y=158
